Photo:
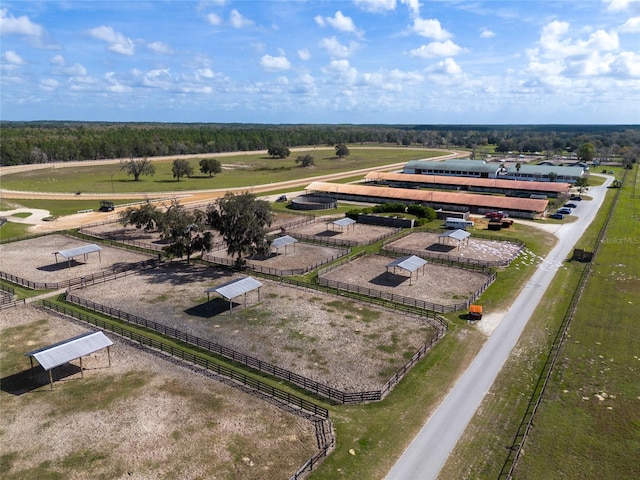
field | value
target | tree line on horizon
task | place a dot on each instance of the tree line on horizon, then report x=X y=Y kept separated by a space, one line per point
x=42 y=142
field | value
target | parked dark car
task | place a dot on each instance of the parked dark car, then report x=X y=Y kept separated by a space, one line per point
x=564 y=211
x=557 y=216
x=575 y=198
x=570 y=205
x=281 y=198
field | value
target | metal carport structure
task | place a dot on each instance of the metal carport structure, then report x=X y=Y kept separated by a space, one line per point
x=459 y=235
x=410 y=264
x=343 y=223
x=76 y=252
x=235 y=288
x=284 y=241
x=67 y=350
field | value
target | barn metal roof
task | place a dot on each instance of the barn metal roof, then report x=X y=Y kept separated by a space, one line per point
x=554 y=187
x=67 y=350
x=77 y=251
x=456 y=234
x=410 y=264
x=477 y=166
x=236 y=287
x=283 y=241
x=344 y=222
x=429 y=196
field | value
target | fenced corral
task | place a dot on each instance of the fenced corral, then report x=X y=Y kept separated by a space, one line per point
x=181 y=353
x=437 y=289
x=308 y=256
x=480 y=250
x=307 y=384
x=361 y=234
x=326 y=442
x=32 y=263
x=319 y=341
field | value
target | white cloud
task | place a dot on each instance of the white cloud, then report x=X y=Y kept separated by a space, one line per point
x=376 y=5
x=49 y=84
x=205 y=73
x=619 y=5
x=118 y=43
x=157 y=78
x=57 y=60
x=631 y=26
x=486 y=33
x=214 y=19
x=447 y=67
x=274 y=64
x=335 y=49
x=304 y=54
x=160 y=47
x=339 y=21
x=238 y=21
x=341 y=70
x=430 y=28
x=628 y=63
x=75 y=70
x=413 y=5
x=10 y=25
x=437 y=49
x=13 y=58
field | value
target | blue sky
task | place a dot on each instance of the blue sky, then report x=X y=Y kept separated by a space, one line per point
x=297 y=61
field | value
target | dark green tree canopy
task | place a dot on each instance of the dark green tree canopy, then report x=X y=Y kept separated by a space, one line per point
x=279 y=151
x=137 y=167
x=186 y=231
x=148 y=216
x=210 y=166
x=586 y=152
x=305 y=160
x=342 y=150
x=181 y=168
x=242 y=220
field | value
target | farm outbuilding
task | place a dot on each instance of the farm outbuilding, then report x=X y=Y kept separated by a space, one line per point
x=283 y=241
x=235 y=288
x=409 y=264
x=343 y=224
x=68 y=350
x=84 y=251
x=458 y=235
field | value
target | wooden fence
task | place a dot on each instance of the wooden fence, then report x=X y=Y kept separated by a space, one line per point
x=181 y=353
x=307 y=384
x=99 y=277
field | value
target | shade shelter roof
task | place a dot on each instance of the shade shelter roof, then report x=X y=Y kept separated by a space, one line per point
x=68 y=350
x=410 y=264
x=344 y=222
x=456 y=234
x=283 y=241
x=76 y=252
x=235 y=288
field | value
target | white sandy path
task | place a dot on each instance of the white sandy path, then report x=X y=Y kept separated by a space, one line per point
x=37 y=215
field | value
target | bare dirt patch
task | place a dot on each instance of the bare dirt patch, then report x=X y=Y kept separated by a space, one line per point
x=471 y=249
x=142 y=418
x=358 y=233
x=348 y=345
x=437 y=283
x=33 y=259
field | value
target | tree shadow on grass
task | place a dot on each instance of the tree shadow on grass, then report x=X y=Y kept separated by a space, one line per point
x=35 y=378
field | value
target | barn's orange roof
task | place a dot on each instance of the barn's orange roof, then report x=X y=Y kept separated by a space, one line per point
x=428 y=196
x=554 y=187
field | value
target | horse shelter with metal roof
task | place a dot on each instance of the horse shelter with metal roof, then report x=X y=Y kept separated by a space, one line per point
x=68 y=350
x=235 y=288
x=284 y=241
x=343 y=223
x=84 y=250
x=459 y=235
x=410 y=264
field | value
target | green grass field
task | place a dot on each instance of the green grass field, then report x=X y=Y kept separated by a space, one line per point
x=238 y=171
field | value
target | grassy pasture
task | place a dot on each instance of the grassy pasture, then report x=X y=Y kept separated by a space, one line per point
x=238 y=170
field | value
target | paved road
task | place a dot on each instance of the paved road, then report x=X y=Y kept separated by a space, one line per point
x=427 y=454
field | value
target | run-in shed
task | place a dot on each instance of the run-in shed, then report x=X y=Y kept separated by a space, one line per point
x=410 y=264
x=342 y=224
x=235 y=288
x=68 y=350
x=85 y=250
x=284 y=241
x=458 y=235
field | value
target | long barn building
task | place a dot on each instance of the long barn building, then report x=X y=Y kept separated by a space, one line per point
x=512 y=188
x=481 y=204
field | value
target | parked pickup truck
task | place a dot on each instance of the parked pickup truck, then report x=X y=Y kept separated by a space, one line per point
x=497 y=214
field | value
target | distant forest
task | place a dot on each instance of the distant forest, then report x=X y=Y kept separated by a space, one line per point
x=41 y=142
